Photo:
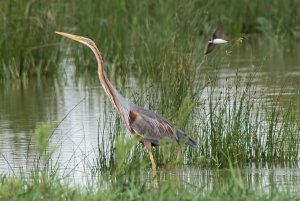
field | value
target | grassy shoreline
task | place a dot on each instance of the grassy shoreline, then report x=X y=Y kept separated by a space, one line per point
x=45 y=186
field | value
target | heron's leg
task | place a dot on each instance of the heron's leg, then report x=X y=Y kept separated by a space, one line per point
x=148 y=146
x=179 y=152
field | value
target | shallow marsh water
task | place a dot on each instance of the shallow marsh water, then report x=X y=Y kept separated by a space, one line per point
x=83 y=112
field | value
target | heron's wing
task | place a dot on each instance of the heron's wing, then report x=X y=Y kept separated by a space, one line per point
x=151 y=126
x=155 y=128
x=218 y=31
x=210 y=48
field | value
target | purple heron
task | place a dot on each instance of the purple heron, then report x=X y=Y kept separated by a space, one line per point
x=148 y=127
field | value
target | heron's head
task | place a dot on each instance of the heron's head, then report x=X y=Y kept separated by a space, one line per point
x=80 y=39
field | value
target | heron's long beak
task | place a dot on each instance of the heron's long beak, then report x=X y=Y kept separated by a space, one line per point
x=71 y=36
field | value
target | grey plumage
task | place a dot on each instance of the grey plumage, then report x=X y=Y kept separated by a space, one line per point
x=155 y=128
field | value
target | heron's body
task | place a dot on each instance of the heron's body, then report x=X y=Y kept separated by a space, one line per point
x=155 y=128
x=144 y=124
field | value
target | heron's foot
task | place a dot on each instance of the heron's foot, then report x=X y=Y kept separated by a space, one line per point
x=153 y=166
x=148 y=146
x=153 y=170
x=179 y=154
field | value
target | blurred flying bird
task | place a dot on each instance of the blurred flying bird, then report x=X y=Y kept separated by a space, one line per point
x=216 y=39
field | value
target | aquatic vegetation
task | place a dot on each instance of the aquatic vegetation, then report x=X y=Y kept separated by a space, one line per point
x=238 y=127
x=132 y=34
x=132 y=188
x=27 y=43
x=126 y=183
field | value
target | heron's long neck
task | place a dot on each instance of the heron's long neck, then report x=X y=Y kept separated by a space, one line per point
x=119 y=102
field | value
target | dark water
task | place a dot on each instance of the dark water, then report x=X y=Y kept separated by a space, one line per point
x=83 y=109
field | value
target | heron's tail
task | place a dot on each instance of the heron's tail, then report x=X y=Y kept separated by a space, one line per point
x=191 y=143
x=182 y=137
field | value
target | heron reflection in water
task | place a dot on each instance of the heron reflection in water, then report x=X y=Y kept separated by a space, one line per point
x=147 y=126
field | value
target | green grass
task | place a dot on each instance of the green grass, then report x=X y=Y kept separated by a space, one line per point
x=132 y=187
x=28 y=46
x=125 y=182
x=239 y=127
x=132 y=34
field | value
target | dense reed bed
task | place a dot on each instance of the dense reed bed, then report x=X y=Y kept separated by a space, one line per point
x=28 y=47
x=132 y=34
